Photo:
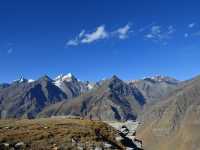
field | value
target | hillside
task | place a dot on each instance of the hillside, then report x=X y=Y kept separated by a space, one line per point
x=174 y=123
x=59 y=134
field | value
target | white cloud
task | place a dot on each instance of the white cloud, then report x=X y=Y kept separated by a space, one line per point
x=192 y=25
x=123 y=32
x=150 y=36
x=154 y=32
x=144 y=28
x=157 y=33
x=72 y=42
x=100 y=33
x=75 y=42
x=81 y=34
x=171 y=29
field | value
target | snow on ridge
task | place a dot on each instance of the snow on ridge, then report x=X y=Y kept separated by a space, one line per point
x=68 y=77
x=90 y=86
x=30 y=80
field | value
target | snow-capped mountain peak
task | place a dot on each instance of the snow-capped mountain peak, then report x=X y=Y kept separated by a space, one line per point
x=30 y=80
x=21 y=80
x=160 y=78
x=67 y=77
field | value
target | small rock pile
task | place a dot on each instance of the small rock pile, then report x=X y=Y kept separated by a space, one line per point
x=127 y=134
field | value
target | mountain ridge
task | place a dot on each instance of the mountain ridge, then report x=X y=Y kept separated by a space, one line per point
x=124 y=99
x=174 y=123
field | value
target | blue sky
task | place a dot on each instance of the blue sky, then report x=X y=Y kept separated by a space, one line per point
x=94 y=39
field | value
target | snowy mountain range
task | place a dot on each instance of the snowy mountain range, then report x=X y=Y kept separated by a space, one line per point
x=118 y=99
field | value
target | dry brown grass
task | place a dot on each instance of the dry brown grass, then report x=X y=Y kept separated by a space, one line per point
x=55 y=132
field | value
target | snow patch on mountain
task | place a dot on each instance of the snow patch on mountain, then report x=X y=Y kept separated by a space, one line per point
x=68 y=77
x=31 y=80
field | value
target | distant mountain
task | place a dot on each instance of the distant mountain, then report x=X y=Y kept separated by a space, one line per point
x=24 y=99
x=174 y=123
x=109 y=99
x=71 y=86
x=155 y=88
x=112 y=100
x=169 y=110
x=4 y=85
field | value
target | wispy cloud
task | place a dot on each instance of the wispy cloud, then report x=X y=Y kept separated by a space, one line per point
x=171 y=30
x=144 y=28
x=152 y=31
x=100 y=33
x=76 y=40
x=192 y=25
x=158 y=33
x=123 y=32
x=191 y=32
x=81 y=34
x=73 y=42
x=86 y=38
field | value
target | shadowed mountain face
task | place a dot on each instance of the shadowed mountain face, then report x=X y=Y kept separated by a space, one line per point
x=4 y=85
x=174 y=123
x=23 y=99
x=112 y=100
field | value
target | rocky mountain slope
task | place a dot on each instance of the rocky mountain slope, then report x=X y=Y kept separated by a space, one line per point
x=156 y=87
x=174 y=123
x=26 y=98
x=71 y=86
x=168 y=109
x=112 y=100
x=117 y=99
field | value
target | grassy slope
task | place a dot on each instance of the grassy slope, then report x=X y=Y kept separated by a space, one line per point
x=44 y=133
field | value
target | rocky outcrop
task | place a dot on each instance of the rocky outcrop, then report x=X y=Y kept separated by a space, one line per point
x=127 y=134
